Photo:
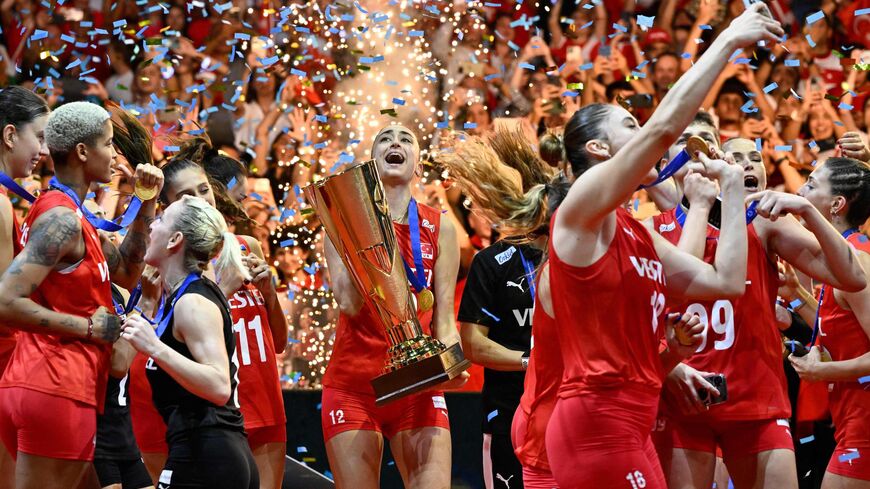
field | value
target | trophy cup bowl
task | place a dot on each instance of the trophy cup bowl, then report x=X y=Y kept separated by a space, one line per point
x=353 y=209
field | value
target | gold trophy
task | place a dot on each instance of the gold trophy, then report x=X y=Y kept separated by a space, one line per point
x=353 y=209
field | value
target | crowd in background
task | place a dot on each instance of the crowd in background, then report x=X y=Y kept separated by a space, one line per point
x=293 y=90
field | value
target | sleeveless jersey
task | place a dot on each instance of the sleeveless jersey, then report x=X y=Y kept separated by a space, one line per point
x=8 y=335
x=842 y=335
x=741 y=339
x=60 y=365
x=260 y=397
x=610 y=314
x=360 y=350
x=543 y=377
x=183 y=411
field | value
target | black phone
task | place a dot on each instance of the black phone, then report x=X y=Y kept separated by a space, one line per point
x=640 y=101
x=764 y=11
x=796 y=348
x=714 y=218
x=718 y=381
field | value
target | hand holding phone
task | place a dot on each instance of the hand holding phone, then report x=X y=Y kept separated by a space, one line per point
x=796 y=348
x=718 y=382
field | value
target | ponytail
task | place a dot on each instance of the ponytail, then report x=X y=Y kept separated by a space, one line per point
x=206 y=236
x=131 y=138
x=497 y=187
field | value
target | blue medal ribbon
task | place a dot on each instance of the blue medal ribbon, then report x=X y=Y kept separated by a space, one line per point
x=416 y=277
x=132 y=301
x=817 y=325
x=9 y=183
x=106 y=225
x=529 y=272
x=672 y=167
x=165 y=316
x=751 y=214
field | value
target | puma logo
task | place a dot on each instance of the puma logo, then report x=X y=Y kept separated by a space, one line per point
x=629 y=232
x=517 y=285
x=506 y=481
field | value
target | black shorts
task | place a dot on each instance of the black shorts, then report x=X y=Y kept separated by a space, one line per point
x=210 y=458
x=131 y=474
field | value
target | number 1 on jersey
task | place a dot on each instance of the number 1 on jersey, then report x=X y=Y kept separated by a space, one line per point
x=256 y=325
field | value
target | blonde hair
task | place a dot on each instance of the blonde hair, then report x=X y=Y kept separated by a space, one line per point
x=506 y=179
x=206 y=235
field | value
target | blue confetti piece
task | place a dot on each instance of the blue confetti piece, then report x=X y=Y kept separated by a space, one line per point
x=845 y=106
x=171 y=149
x=773 y=86
x=748 y=108
x=301 y=450
x=620 y=27
x=570 y=93
x=491 y=415
x=866 y=378
x=846 y=457
x=527 y=66
x=398 y=101
x=415 y=34
x=442 y=125
x=792 y=63
x=758 y=145
x=299 y=73
x=232 y=183
x=813 y=144
x=490 y=314
x=810 y=41
x=706 y=27
x=807 y=439
x=786 y=147
x=90 y=195
x=469 y=125
x=863 y=11
x=586 y=66
x=644 y=21
x=492 y=76
x=815 y=17
x=256 y=196
x=270 y=60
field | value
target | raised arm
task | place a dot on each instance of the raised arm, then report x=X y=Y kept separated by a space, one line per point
x=54 y=238
x=349 y=300
x=127 y=261
x=701 y=193
x=818 y=250
x=199 y=325
x=446 y=270
x=607 y=185
x=690 y=277
x=261 y=277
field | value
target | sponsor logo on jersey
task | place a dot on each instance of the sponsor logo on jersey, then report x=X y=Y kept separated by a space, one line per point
x=651 y=269
x=524 y=316
x=439 y=402
x=427 y=251
x=165 y=477
x=668 y=227
x=505 y=255
x=428 y=225
x=519 y=285
x=246 y=297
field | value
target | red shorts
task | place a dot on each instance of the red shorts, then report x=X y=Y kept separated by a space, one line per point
x=343 y=410
x=258 y=437
x=44 y=425
x=846 y=463
x=737 y=439
x=148 y=428
x=602 y=439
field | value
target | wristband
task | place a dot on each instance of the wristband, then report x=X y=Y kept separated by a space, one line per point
x=525 y=361
x=90 y=328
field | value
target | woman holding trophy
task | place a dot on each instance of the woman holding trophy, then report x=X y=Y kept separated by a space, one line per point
x=416 y=425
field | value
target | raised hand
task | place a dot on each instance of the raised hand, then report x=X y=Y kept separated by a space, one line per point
x=772 y=204
x=753 y=26
x=853 y=146
x=141 y=335
x=700 y=191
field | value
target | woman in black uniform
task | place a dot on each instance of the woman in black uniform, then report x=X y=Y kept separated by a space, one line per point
x=193 y=380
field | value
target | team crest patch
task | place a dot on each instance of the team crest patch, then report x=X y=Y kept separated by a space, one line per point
x=664 y=228
x=427 y=251
x=439 y=402
x=505 y=255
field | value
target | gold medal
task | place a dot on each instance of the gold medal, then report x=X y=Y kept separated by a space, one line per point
x=696 y=145
x=425 y=300
x=144 y=193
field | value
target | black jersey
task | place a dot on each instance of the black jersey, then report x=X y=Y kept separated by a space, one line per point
x=497 y=295
x=181 y=410
x=115 y=440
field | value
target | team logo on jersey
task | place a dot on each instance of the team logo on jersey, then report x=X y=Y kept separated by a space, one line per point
x=439 y=402
x=505 y=255
x=427 y=251
x=666 y=228
x=426 y=224
x=629 y=232
x=165 y=478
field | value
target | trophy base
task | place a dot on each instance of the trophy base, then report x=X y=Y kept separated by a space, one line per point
x=419 y=376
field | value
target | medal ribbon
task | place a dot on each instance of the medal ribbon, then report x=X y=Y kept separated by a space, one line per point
x=672 y=167
x=9 y=183
x=817 y=325
x=418 y=277
x=164 y=319
x=751 y=213
x=135 y=295
x=106 y=225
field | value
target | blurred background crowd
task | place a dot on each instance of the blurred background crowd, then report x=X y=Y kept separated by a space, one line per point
x=296 y=91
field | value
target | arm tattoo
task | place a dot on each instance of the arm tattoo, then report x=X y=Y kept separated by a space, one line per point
x=111 y=328
x=50 y=236
x=113 y=257
x=134 y=246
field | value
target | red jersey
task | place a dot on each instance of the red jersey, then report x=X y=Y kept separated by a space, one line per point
x=543 y=377
x=741 y=339
x=360 y=349
x=842 y=335
x=611 y=319
x=8 y=335
x=259 y=392
x=60 y=365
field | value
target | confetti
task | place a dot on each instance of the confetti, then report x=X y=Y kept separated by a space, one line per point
x=491 y=415
x=848 y=457
x=644 y=21
x=773 y=86
x=807 y=439
x=815 y=17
